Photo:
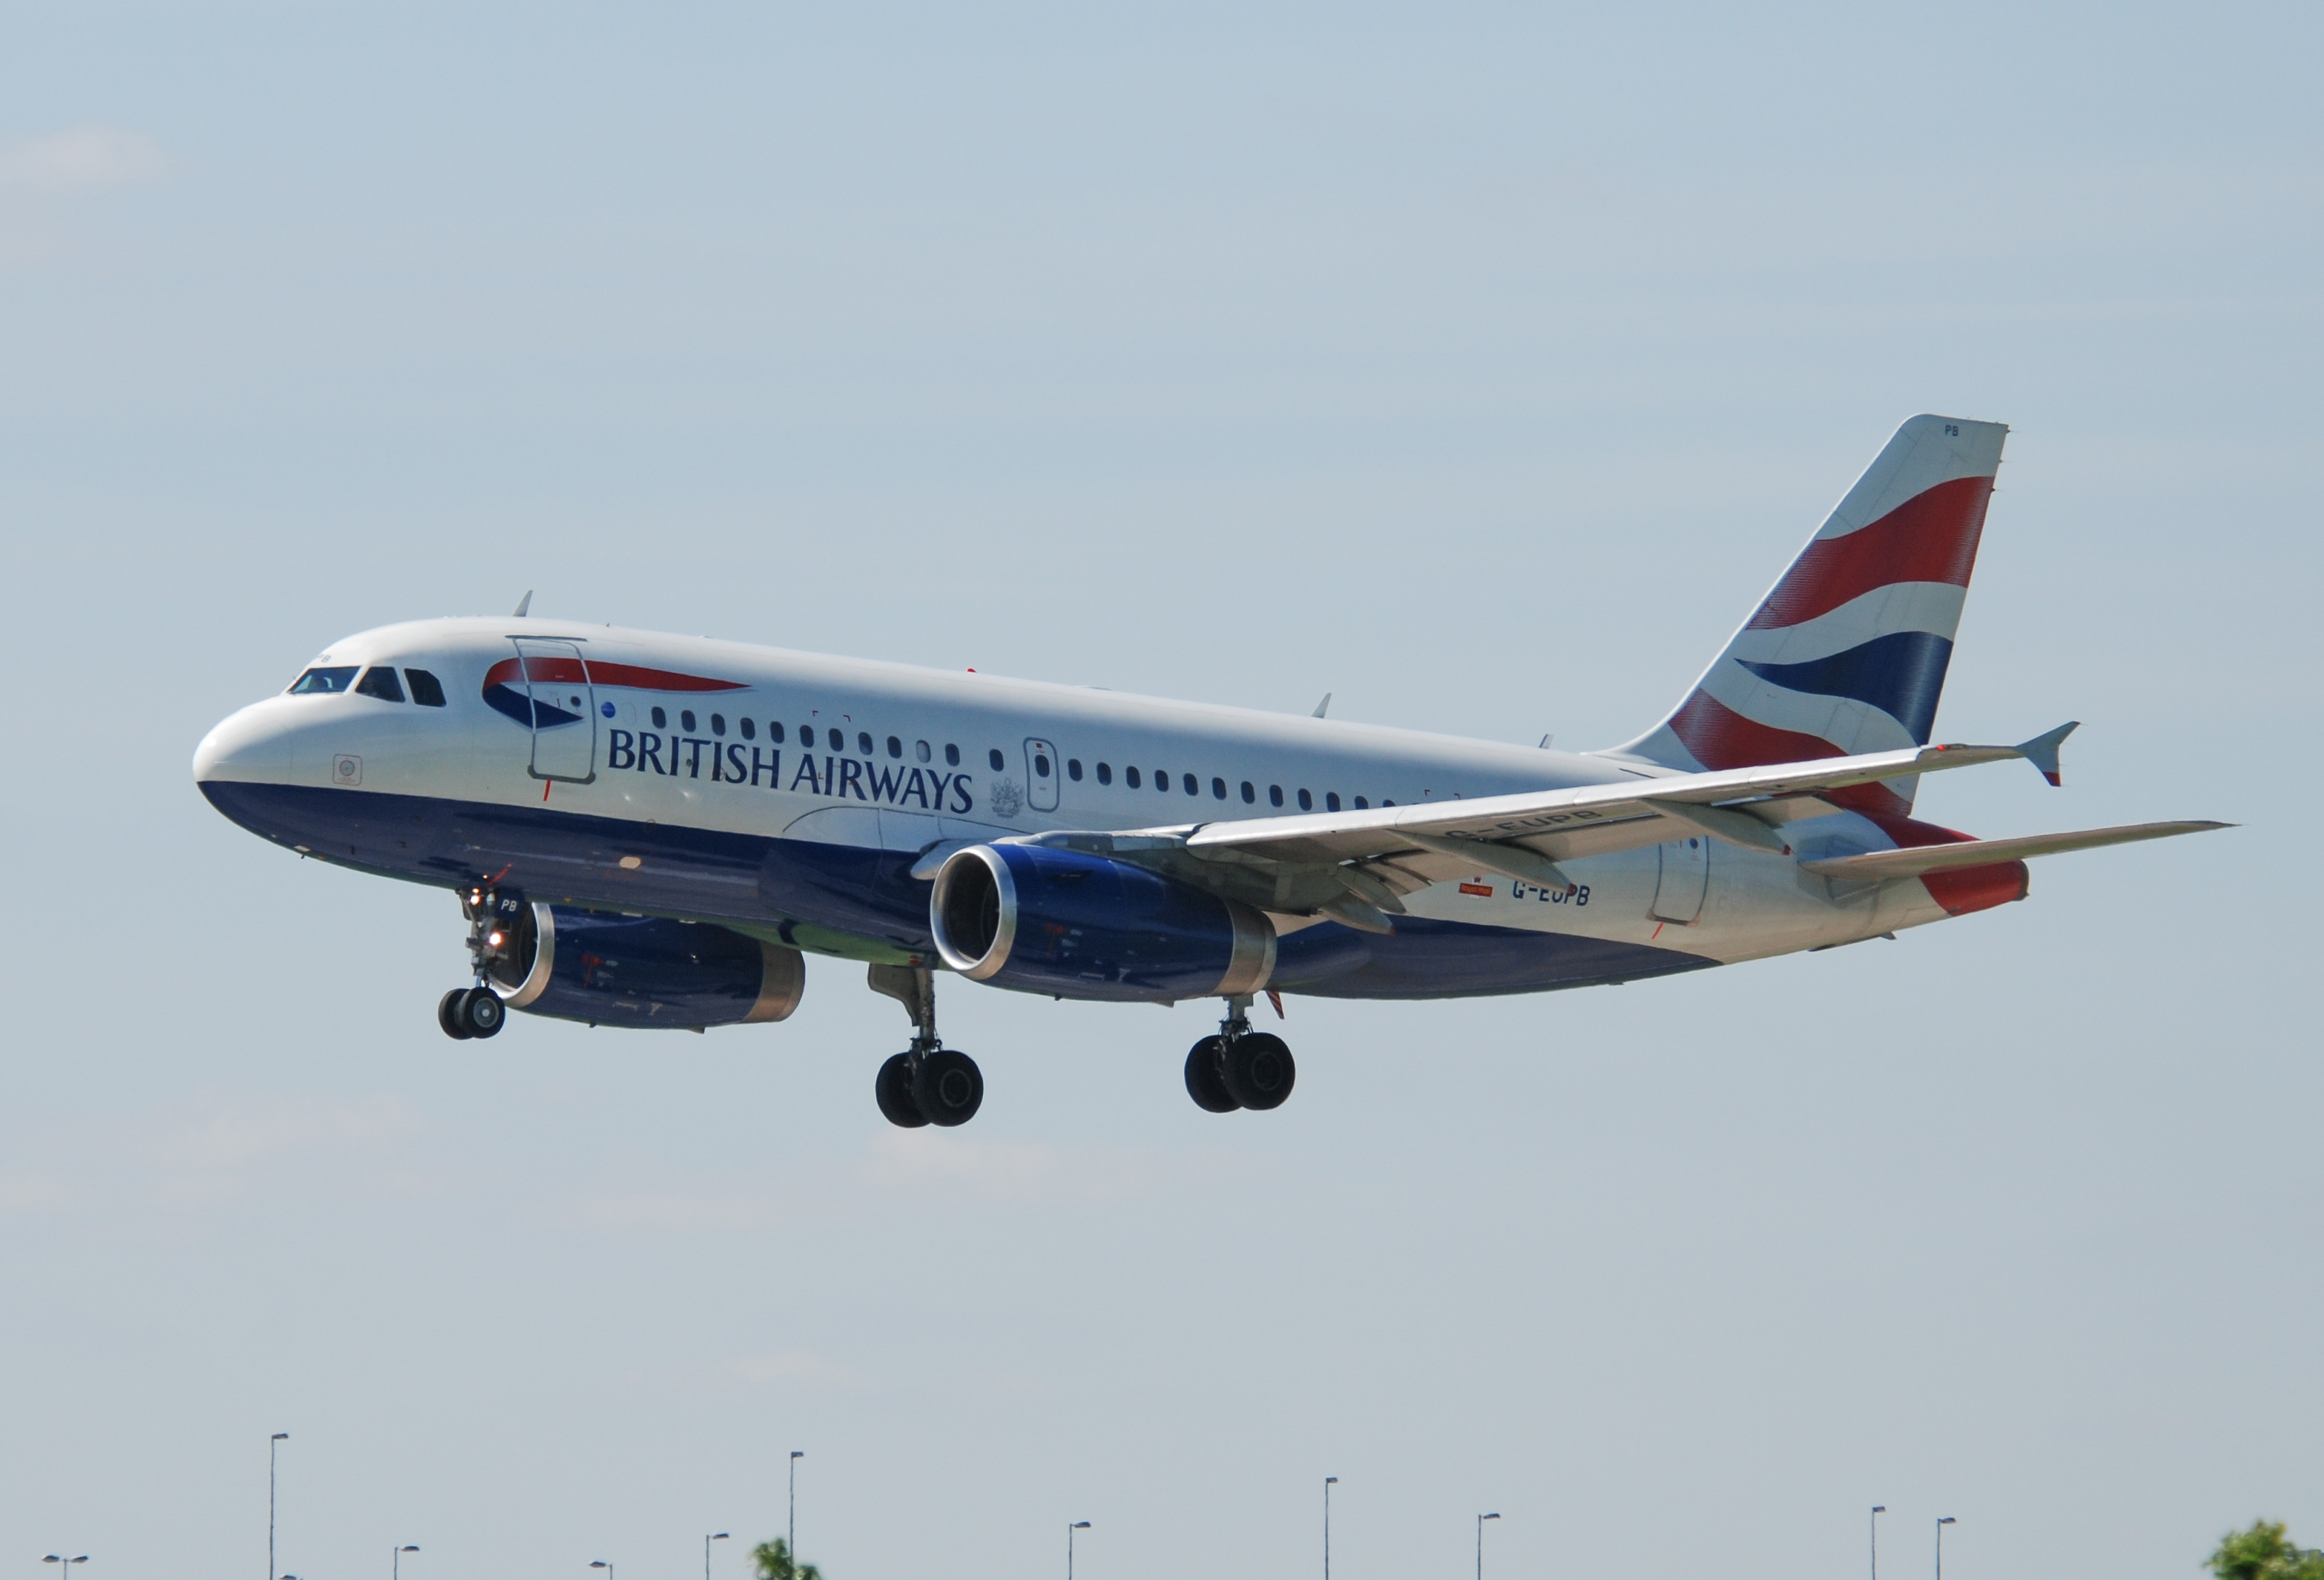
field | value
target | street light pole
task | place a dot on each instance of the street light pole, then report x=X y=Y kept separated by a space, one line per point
x=791 y=1536
x=395 y=1562
x=1878 y=1510
x=278 y=1438
x=1480 y=1543
x=706 y=1552
x=601 y=1563
x=1329 y=1483
x=1076 y=1525
x=65 y=1573
x=1948 y=1520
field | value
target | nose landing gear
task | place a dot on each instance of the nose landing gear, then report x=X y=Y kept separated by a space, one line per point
x=927 y=1083
x=478 y=1011
x=1240 y=1067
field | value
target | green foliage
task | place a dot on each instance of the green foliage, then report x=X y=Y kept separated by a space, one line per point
x=773 y=1557
x=2264 y=1553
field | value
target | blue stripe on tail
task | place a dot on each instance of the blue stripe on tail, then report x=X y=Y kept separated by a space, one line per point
x=1901 y=674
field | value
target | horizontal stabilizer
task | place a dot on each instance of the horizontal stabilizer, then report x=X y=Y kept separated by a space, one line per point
x=1913 y=862
x=2041 y=751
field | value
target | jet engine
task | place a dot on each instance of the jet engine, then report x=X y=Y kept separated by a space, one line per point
x=642 y=971
x=1084 y=927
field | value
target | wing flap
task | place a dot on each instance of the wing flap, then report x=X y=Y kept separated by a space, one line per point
x=1912 y=862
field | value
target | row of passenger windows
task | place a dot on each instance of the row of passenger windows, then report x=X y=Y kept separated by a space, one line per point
x=836 y=739
x=1192 y=785
x=379 y=681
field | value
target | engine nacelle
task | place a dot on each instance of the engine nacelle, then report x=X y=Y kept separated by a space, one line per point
x=642 y=971
x=1082 y=927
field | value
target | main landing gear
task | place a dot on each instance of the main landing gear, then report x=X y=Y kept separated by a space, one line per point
x=476 y=1011
x=927 y=1083
x=1240 y=1067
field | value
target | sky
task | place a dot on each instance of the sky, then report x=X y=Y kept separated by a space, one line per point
x=1480 y=365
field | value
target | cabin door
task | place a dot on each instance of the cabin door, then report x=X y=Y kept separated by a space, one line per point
x=1041 y=773
x=1686 y=874
x=563 y=709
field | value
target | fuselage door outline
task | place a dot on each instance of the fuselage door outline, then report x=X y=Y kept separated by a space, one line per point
x=557 y=680
x=1040 y=776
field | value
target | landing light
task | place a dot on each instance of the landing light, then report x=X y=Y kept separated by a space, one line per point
x=494 y=940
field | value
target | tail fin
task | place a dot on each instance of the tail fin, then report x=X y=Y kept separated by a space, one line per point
x=1848 y=652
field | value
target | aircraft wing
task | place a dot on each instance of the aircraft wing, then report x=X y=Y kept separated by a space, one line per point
x=1913 y=862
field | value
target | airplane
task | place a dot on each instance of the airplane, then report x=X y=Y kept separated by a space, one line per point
x=653 y=831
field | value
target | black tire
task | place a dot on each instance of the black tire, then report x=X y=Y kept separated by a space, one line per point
x=1258 y=1070
x=481 y=1014
x=948 y=1087
x=1206 y=1083
x=894 y=1091
x=448 y=1015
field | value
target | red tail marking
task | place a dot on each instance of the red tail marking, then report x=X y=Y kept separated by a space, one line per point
x=1931 y=537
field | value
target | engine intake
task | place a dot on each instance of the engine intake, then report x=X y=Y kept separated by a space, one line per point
x=643 y=971
x=1083 y=927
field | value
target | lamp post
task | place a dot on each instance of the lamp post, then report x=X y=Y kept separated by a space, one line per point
x=791 y=1531
x=278 y=1438
x=65 y=1573
x=1878 y=1510
x=705 y=1553
x=395 y=1562
x=1948 y=1520
x=1329 y=1483
x=601 y=1563
x=1076 y=1525
x=1480 y=1543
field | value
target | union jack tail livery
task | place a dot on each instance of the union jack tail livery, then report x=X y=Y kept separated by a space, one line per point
x=1848 y=654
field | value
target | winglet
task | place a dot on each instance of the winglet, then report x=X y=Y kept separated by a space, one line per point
x=523 y=604
x=2041 y=751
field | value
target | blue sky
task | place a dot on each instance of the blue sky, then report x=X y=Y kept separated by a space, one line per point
x=1481 y=367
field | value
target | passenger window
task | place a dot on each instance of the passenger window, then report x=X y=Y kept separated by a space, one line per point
x=895 y=747
x=685 y=720
x=749 y=729
x=337 y=679
x=1275 y=795
x=838 y=741
x=1331 y=800
x=995 y=757
x=1073 y=769
x=717 y=723
x=1388 y=803
x=426 y=690
x=1105 y=773
x=863 y=742
x=379 y=681
x=1249 y=794
x=952 y=755
x=920 y=750
x=1307 y=801
x=1130 y=776
x=1162 y=779
x=1218 y=790
x=775 y=730
x=1193 y=786
x=1040 y=765
x=661 y=719
x=1362 y=805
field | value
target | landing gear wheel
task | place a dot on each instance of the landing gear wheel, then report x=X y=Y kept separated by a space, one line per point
x=1206 y=1083
x=481 y=1013
x=948 y=1088
x=448 y=1015
x=1258 y=1070
x=894 y=1091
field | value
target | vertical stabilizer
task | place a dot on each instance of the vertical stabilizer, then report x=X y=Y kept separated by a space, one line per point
x=1848 y=652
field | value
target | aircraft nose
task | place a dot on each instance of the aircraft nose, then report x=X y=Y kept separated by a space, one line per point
x=251 y=745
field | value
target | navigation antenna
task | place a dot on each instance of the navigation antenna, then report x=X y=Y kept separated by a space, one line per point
x=524 y=604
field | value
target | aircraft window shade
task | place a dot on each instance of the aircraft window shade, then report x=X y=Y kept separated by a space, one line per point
x=1362 y=805
x=920 y=750
x=1040 y=765
x=749 y=729
x=685 y=720
x=1275 y=795
x=1249 y=794
x=1194 y=785
x=952 y=755
x=660 y=719
x=337 y=678
x=1105 y=773
x=379 y=681
x=775 y=730
x=426 y=690
x=1129 y=777
x=1331 y=800
x=717 y=723
x=1074 y=768
x=1218 y=790
x=895 y=747
x=1307 y=801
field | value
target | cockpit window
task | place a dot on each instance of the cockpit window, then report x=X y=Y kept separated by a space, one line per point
x=426 y=690
x=379 y=681
x=337 y=677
